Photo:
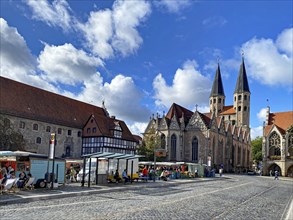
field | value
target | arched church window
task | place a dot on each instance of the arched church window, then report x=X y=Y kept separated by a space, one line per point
x=235 y=98
x=239 y=108
x=239 y=156
x=194 y=154
x=163 y=141
x=220 y=100
x=214 y=100
x=173 y=147
x=35 y=127
x=39 y=140
x=245 y=97
x=239 y=97
x=245 y=108
x=274 y=144
x=290 y=145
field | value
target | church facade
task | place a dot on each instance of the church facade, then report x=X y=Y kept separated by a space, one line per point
x=277 y=147
x=219 y=138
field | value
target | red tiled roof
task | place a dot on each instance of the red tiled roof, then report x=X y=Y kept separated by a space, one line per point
x=21 y=100
x=282 y=120
x=228 y=110
x=178 y=110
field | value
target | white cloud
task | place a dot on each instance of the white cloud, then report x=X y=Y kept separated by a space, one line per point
x=115 y=30
x=270 y=62
x=261 y=115
x=123 y=99
x=189 y=87
x=138 y=128
x=66 y=64
x=256 y=132
x=284 y=41
x=54 y=14
x=98 y=32
x=173 y=6
x=215 y=21
x=16 y=60
x=15 y=56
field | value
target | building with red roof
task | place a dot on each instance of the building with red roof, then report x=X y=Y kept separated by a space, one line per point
x=80 y=128
x=278 y=143
x=219 y=138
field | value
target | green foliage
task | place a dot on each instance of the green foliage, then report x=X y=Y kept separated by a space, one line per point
x=151 y=141
x=10 y=139
x=257 y=149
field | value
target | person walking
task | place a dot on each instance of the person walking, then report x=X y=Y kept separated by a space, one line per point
x=276 y=175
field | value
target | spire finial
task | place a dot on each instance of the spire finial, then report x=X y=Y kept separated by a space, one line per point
x=218 y=60
x=196 y=107
x=242 y=54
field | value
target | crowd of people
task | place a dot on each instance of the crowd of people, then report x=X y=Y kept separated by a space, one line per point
x=7 y=173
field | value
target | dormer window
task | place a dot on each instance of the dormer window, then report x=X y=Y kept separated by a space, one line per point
x=117 y=130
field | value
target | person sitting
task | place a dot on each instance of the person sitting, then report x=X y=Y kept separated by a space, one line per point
x=3 y=182
x=125 y=176
x=21 y=181
x=116 y=176
x=164 y=175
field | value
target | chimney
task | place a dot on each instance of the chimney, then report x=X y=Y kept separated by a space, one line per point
x=113 y=117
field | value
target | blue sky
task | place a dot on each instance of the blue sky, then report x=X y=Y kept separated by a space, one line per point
x=141 y=56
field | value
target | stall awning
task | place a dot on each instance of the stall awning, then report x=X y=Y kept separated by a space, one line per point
x=109 y=155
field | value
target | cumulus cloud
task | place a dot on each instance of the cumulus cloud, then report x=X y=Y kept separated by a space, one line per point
x=98 y=32
x=16 y=60
x=54 y=13
x=256 y=132
x=138 y=128
x=174 y=6
x=189 y=87
x=15 y=56
x=66 y=64
x=261 y=115
x=269 y=61
x=110 y=31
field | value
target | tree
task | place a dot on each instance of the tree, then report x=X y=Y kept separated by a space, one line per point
x=10 y=139
x=151 y=141
x=257 y=149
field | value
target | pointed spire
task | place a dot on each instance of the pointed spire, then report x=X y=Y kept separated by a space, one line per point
x=242 y=82
x=217 y=88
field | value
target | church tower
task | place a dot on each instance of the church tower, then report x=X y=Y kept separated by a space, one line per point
x=217 y=97
x=242 y=98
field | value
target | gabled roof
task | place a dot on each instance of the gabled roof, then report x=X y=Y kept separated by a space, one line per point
x=205 y=118
x=179 y=111
x=228 y=110
x=242 y=82
x=217 y=88
x=21 y=100
x=282 y=120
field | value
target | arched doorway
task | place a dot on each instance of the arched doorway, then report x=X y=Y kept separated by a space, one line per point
x=290 y=171
x=274 y=167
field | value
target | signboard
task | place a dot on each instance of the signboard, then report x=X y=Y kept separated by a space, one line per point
x=160 y=153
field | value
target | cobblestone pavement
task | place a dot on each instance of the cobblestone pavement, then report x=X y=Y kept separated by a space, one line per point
x=240 y=197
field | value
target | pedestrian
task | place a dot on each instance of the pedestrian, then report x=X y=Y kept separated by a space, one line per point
x=116 y=176
x=271 y=173
x=72 y=174
x=276 y=175
x=221 y=172
x=125 y=176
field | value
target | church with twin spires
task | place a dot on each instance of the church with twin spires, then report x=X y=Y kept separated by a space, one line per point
x=219 y=138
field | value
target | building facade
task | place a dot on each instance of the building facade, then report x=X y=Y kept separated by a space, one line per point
x=219 y=138
x=79 y=127
x=277 y=145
